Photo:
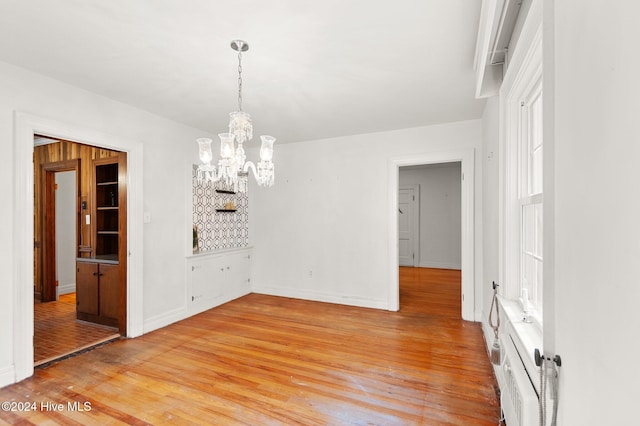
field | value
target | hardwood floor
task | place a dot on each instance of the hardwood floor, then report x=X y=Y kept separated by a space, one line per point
x=270 y=360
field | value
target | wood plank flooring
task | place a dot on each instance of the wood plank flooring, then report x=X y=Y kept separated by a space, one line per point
x=263 y=360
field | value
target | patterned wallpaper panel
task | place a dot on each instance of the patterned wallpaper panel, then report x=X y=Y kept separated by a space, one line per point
x=215 y=229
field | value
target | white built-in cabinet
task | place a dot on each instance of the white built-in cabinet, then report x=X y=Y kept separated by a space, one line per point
x=217 y=277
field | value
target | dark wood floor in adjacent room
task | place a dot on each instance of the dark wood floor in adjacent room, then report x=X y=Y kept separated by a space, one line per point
x=270 y=360
x=57 y=333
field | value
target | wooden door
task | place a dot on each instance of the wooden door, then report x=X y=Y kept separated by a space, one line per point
x=87 y=288
x=407 y=222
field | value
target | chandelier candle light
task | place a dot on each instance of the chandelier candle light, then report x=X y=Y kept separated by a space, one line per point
x=232 y=168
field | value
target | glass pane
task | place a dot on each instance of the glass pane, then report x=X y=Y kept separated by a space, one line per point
x=528 y=229
x=537 y=300
x=536 y=123
x=535 y=172
x=538 y=230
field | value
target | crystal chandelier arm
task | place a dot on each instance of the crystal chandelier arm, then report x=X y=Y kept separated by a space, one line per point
x=263 y=173
x=249 y=165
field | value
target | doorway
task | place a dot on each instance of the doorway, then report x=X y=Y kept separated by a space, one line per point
x=467 y=243
x=26 y=126
x=437 y=189
x=63 y=234
x=66 y=220
x=50 y=222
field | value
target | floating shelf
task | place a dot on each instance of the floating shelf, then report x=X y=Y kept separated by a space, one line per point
x=224 y=191
x=226 y=210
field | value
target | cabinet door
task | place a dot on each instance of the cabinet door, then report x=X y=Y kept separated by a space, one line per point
x=87 y=288
x=109 y=291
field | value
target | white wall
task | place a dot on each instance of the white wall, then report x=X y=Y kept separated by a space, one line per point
x=440 y=226
x=592 y=88
x=168 y=150
x=66 y=242
x=322 y=231
x=490 y=204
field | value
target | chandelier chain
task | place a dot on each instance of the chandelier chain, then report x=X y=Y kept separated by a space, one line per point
x=239 y=80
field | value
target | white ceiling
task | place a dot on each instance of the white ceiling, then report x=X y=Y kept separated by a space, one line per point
x=315 y=68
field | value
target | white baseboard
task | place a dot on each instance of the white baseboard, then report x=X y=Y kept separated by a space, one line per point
x=439 y=265
x=66 y=288
x=322 y=297
x=165 y=319
x=7 y=376
x=184 y=312
x=196 y=308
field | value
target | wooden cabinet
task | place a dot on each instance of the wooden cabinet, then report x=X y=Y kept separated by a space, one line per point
x=97 y=292
x=103 y=275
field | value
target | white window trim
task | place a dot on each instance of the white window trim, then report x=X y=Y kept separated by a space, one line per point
x=524 y=72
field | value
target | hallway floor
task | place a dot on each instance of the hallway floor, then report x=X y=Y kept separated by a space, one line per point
x=57 y=333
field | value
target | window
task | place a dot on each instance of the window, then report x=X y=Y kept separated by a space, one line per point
x=530 y=198
x=522 y=145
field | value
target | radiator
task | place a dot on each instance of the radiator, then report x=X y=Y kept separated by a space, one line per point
x=519 y=398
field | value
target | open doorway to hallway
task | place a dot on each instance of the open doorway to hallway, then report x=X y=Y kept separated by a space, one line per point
x=67 y=223
x=429 y=215
x=466 y=159
x=429 y=230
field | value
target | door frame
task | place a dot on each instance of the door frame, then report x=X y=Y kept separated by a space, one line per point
x=26 y=127
x=416 y=221
x=48 y=211
x=467 y=159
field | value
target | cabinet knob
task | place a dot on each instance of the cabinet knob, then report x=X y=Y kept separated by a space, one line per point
x=95 y=273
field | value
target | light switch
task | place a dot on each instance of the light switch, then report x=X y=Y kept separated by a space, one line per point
x=87 y=219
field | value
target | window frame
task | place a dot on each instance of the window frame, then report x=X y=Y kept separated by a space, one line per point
x=522 y=83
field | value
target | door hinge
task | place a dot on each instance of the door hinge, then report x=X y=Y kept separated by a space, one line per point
x=414 y=198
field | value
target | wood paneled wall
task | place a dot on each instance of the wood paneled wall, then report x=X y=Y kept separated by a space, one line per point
x=53 y=153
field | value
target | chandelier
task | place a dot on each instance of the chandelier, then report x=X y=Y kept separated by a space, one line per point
x=232 y=168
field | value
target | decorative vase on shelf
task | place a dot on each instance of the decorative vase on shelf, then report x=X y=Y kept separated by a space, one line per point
x=195 y=239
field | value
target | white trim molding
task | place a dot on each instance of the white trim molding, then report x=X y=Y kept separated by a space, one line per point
x=467 y=159
x=26 y=126
x=525 y=70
